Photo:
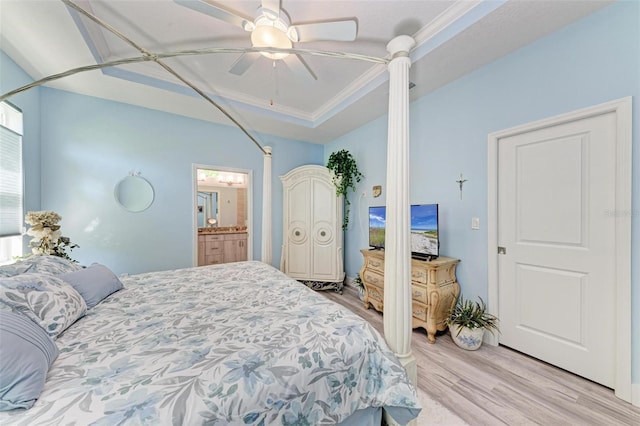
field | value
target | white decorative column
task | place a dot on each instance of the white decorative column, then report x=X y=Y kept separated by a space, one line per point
x=397 y=266
x=266 y=209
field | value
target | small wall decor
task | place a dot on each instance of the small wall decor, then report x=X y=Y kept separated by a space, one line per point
x=134 y=193
x=377 y=191
x=461 y=181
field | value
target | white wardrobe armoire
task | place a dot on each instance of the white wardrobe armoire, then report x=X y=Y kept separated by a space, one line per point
x=312 y=242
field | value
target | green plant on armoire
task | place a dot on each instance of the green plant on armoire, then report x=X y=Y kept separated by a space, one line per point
x=345 y=176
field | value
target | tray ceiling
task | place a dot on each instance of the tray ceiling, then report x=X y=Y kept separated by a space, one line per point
x=271 y=97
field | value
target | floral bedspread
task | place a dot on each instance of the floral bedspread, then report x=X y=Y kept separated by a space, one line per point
x=234 y=344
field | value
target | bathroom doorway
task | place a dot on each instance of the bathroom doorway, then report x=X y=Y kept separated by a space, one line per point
x=222 y=200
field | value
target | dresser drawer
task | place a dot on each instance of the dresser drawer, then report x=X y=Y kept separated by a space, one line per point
x=374 y=278
x=375 y=263
x=228 y=237
x=419 y=293
x=213 y=247
x=375 y=293
x=213 y=259
x=419 y=310
x=213 y=237
x=443 y=275
x=419 y=275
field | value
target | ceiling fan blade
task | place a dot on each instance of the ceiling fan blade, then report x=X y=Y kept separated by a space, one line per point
x=242 y=64
x=272 y=5
x=299 y=66
x=334 y=30
x=210 y=8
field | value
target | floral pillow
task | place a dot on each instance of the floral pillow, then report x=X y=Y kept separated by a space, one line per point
x=45 y=299
x=53 y=265
x=13 y=269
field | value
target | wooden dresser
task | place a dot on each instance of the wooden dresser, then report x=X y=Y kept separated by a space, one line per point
x=434 y=289
x=214 y=248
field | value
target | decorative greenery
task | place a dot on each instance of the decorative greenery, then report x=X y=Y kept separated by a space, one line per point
x=345 y=176
x=357 y=282
x=47 y=239
x=466 y=313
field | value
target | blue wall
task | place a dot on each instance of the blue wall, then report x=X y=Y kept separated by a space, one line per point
x=89 y=144
x=590 y=62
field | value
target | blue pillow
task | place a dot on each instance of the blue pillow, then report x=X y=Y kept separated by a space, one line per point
x=94 y=283
x=27 y=352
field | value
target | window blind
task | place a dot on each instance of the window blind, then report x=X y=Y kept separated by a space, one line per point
x=11 y=187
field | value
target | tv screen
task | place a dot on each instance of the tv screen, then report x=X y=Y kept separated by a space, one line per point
x=377 y=221
x=424 y=229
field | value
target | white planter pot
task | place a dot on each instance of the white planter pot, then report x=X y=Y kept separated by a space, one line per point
x=468 y=338
x=361 y=293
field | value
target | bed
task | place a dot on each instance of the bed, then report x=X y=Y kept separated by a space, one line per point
x=236 y=343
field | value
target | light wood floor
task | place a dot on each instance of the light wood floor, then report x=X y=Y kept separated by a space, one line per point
x=496 y=385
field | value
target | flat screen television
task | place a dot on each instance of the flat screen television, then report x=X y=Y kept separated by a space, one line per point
x=377 y=222
x=425 y=243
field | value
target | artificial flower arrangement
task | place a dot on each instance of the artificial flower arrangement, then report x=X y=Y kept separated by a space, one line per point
x=47 y=238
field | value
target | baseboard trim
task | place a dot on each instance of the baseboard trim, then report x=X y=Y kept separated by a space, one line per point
x=635 y=394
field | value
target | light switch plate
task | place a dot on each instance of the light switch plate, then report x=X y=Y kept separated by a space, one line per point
x=475 y=223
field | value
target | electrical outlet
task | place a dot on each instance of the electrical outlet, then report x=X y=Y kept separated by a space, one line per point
x=475 y=223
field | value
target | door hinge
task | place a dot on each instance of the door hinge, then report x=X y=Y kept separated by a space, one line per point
x=502 y=250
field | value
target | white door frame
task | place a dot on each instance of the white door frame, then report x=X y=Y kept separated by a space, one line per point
x=194 y=203
x=622 y=216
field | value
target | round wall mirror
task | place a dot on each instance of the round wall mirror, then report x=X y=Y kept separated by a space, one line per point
x=134 y=193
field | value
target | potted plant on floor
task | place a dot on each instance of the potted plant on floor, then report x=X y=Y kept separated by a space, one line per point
x=468 y=321
x=357 y=282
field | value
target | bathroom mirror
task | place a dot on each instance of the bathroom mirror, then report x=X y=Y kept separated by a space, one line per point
x=134 y=194
x=207 y=208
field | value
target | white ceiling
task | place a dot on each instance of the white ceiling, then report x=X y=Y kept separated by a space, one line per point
x=454 y=37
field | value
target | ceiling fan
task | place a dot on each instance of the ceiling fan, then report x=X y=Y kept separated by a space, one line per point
x=272 y=28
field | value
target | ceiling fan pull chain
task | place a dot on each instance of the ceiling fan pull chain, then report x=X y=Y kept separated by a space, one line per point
x=276 y=92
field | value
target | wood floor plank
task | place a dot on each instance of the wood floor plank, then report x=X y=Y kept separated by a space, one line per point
x=500 y=386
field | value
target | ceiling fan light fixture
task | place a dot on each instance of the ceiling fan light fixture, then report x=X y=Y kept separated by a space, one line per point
x=269 y=33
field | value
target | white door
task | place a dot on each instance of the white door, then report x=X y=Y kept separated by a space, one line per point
x=556 y=279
